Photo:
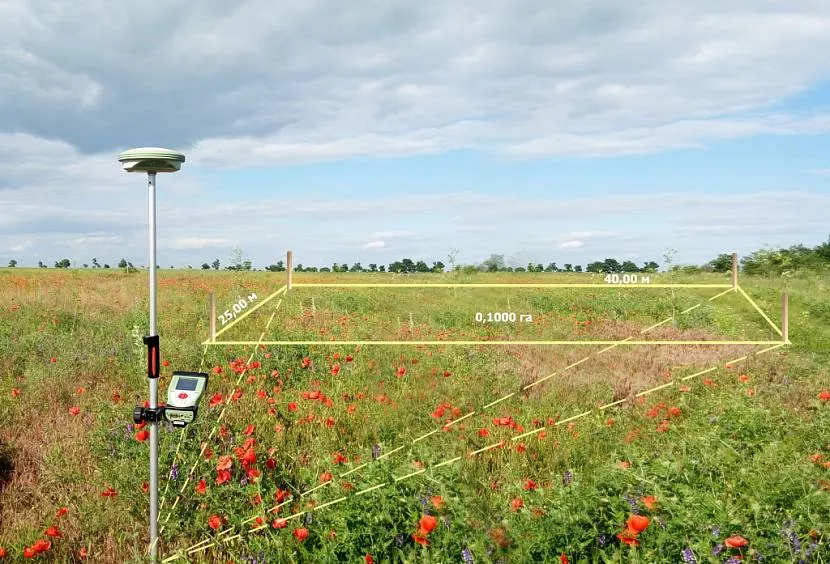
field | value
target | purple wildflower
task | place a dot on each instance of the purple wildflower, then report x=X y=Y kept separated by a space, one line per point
x=174 y=472
x=375 y=451
x=467 y=556
x=689 y=556
x=715 y=531
x=567 y=477
x=717 y=549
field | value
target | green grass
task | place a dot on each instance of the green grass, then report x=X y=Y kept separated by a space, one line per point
x=732 y=455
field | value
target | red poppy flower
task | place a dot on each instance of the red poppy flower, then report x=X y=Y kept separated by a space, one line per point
x=280 y=523
x=74 y=410
x=420 y=540
x=201 y=487
x=222 y=476
x=214 y=521
x=426 y=524
x=142 y=435
x=637 y=523
x=401 y=371
x=83 y=553
x=824 y=395
x=529 y=485
x=437 y=501
x=516 y=504
x=29 y=552
x=61 y=512
x=628 y=537
x=3 y=553
x=225 y=462
x=735 y=541
x=109 y=492
x=649 y=501
x=368 y=559
x=165 y=363
x=301 y=534
x=53 y=532
x=215 y=400
x=563 y=559
x=335 y=370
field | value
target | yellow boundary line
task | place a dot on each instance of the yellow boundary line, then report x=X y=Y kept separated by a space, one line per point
x=759 y=310
x=192 y=549
x=491 y=343
x=447 y=285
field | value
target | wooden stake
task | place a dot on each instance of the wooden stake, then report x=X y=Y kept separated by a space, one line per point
x=734 y=272
x=212 y=317
x=785 y=317
x=289 y=266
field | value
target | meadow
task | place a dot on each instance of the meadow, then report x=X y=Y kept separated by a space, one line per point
x=438 y=452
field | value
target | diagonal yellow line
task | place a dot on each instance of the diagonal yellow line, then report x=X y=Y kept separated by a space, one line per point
x=713 y=298
x=647 y=329
x=250 y=311
x=759 y=310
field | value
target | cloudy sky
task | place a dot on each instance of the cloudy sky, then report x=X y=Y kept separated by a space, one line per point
x=374 y=130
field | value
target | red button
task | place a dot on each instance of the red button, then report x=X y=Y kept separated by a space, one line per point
x=182 y=395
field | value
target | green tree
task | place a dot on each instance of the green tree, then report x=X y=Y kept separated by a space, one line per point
x=596 y=266
x=382 y=268
x=122 y=263
x=494 y=263
x=12 y=263
x=651 y=266
x=628 y=266
x=578 y=268
x=40 y=264
x=569 y=267
x=216 y=264
x=205 y=266
x=356 y=268
x=612 y=265
x=95 y=263
x=721 y=263
x=373 y=267
x=63 y=263
x=437 y=266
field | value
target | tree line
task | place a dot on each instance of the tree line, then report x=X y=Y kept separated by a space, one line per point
x=761 y=262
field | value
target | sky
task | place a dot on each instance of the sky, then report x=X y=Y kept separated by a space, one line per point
x=377 y=130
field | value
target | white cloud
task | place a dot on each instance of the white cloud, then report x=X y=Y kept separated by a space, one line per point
x=320 y=80
x=571 y=245
x=375 y=245
x=392 y=234
x=821 y=171
x=198 y=243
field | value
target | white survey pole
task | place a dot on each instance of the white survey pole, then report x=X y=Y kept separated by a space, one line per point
x=152 y=160
x=154 y=426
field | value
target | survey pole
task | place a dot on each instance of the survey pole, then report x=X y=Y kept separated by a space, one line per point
x=152 y=160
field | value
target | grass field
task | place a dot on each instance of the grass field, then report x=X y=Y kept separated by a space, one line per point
x=438 y=452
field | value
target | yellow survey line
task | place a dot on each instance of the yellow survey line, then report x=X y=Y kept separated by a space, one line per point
x=721 y=294
x=486 y=343
x=647 y=329
x=448 y=285
x=759 y=310
x=249 y=312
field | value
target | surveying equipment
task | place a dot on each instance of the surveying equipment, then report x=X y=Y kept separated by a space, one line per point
x=153 y=160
